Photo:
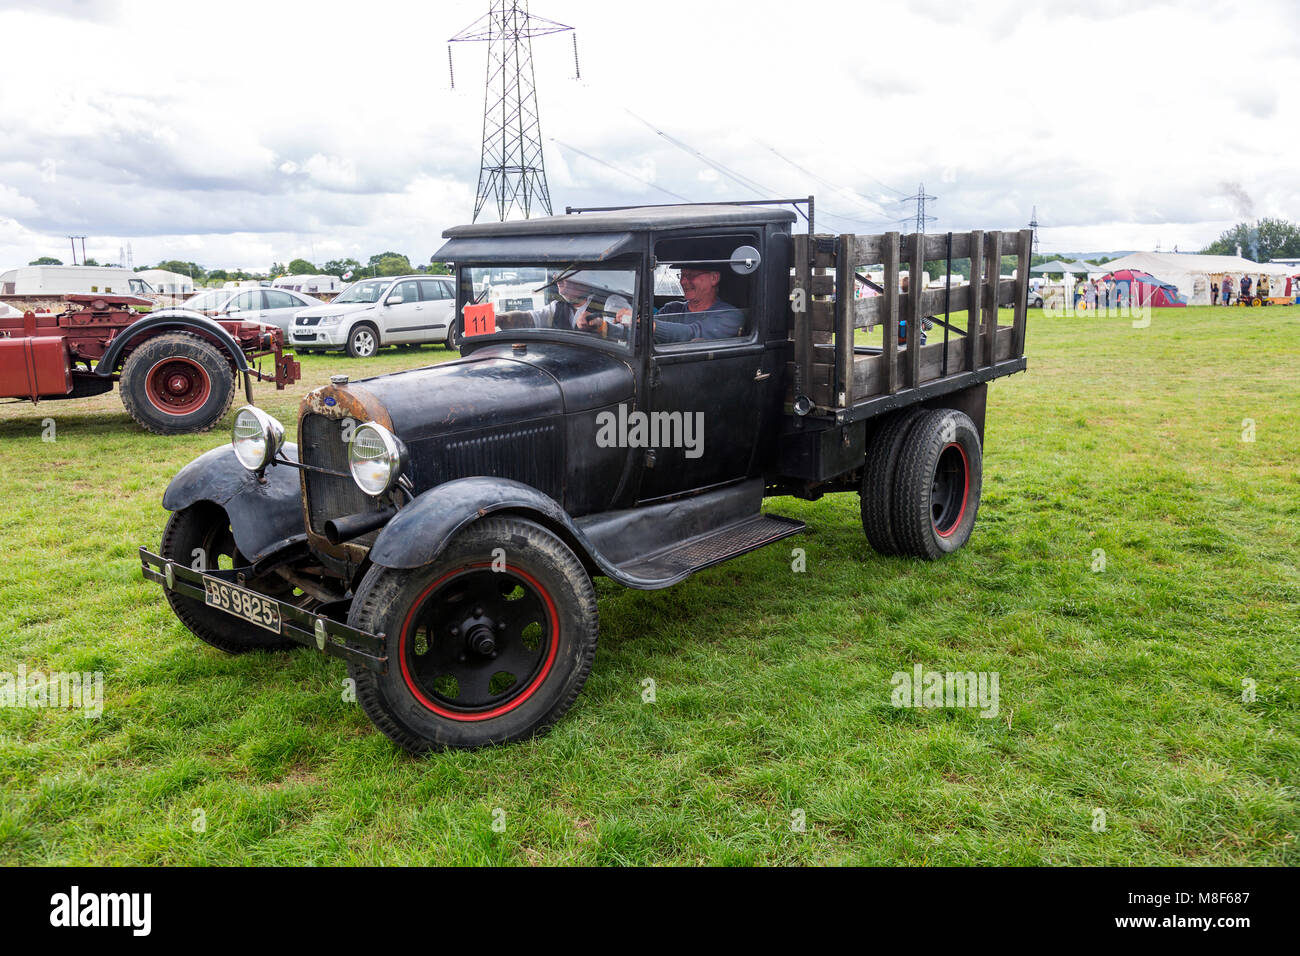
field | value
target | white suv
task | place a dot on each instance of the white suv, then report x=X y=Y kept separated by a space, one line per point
x=371 y=313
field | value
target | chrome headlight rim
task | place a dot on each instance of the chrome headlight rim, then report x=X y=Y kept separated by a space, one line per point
x=394 y=455
x=270 y=432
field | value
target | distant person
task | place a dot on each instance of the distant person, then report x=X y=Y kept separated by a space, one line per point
x=1090 y=297
x=1264 y=287
x=1245 y=289
x=1214 y=293
x=1225 y=289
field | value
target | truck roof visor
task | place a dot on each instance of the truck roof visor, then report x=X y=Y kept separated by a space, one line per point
x=576 y=247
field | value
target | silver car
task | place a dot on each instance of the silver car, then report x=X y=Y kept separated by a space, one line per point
x=270 y=306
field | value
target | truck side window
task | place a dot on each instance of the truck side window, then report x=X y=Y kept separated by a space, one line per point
x=699 y=297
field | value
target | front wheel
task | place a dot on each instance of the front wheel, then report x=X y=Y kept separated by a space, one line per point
x=490 y=643
x=176 y=383
x=363 y=341
x=453 y=336
x=200 y=537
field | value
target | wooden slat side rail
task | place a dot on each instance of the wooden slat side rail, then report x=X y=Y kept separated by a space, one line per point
x=1024 y=251
x=867 y=250
x=844 y=328
x=915 y=311
x=870 y=371
x=936 y=247
x=993 y=269
x=821 y=312
x=890 y=258
x=801 y=312
x=975 y=303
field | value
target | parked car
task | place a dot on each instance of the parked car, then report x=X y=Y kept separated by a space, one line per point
x=372 y=313
x=269 y=306
x=1035 y=299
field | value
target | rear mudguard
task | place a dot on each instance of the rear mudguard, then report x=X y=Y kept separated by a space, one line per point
x=169 y=320
x=421 y=530
x=264 y=516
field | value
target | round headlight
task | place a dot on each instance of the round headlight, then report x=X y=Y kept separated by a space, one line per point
x=376 y=458
x=256 y=438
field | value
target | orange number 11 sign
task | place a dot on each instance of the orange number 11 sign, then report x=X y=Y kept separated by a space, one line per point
x=480 y=319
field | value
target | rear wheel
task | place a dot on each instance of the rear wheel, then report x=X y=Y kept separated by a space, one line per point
x=200 y=537
x=480 y=650
x=878 y=478
x=453 y=336
x=937 y=486
x=176 y=383
x=363 y=341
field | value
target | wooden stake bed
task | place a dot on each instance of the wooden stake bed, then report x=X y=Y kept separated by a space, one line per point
x=967 y=345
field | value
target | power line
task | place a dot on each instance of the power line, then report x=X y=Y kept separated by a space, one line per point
x=597 y=159
x=731 y=174
x=828 y=183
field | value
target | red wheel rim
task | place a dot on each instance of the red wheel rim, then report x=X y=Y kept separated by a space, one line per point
x=949 y=490
x=177 y=386
x=418 y=665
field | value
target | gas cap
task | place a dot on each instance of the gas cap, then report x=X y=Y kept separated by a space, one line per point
x=338 y=379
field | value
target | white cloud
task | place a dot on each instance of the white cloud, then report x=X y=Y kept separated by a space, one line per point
x=272 y=131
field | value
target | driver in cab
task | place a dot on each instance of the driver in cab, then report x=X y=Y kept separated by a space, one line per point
x=581 y=304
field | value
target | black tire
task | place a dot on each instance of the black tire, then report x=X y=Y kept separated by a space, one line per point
x=205 y=526
x=421 y=703
x=453 y=336
x=937 y=486
x=877 y=490
x=177 y=383
x=363 y=341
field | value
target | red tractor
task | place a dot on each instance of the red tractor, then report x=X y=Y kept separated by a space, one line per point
x=177 y=368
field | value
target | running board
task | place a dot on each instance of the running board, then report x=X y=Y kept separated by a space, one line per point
x=681 y=560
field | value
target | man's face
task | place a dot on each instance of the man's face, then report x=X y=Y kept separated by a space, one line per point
x=699 y=286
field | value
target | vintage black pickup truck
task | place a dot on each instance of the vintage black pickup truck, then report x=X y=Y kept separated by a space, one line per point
x=634 y=384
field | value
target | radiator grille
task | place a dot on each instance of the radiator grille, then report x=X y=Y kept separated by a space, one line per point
x=321 y=445
x=530 y=453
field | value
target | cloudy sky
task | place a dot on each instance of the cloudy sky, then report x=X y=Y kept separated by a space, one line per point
x=237 y=134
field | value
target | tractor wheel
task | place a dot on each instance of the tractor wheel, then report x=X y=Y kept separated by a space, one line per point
x=937 y=485
x=479 y=651
x=877 y=490
x=200 y=537
x=176 y=383
x=363 y=340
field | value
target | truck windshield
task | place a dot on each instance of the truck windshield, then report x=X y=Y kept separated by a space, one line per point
x=368 y=291
x=583 y=299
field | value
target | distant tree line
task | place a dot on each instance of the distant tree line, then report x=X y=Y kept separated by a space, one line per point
x=1266 y=239
x=380 y=264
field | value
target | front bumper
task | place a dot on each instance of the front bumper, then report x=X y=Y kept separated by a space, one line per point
x=331 y=336
x=311 y=630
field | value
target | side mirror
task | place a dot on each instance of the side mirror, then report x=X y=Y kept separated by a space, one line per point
x=744 y=260
x=393 y=300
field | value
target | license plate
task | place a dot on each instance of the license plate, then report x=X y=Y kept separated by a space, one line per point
x=242 y=603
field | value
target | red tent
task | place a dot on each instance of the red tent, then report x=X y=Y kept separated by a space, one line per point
x=1142 y=288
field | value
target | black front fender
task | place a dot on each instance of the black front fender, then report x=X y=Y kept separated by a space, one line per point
x=264 y=516
x=420 y=531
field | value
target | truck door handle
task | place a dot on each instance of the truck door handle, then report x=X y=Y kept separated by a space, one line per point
x=761 y=376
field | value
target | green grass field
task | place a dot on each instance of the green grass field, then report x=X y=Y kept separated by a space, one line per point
x=1123 y=690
